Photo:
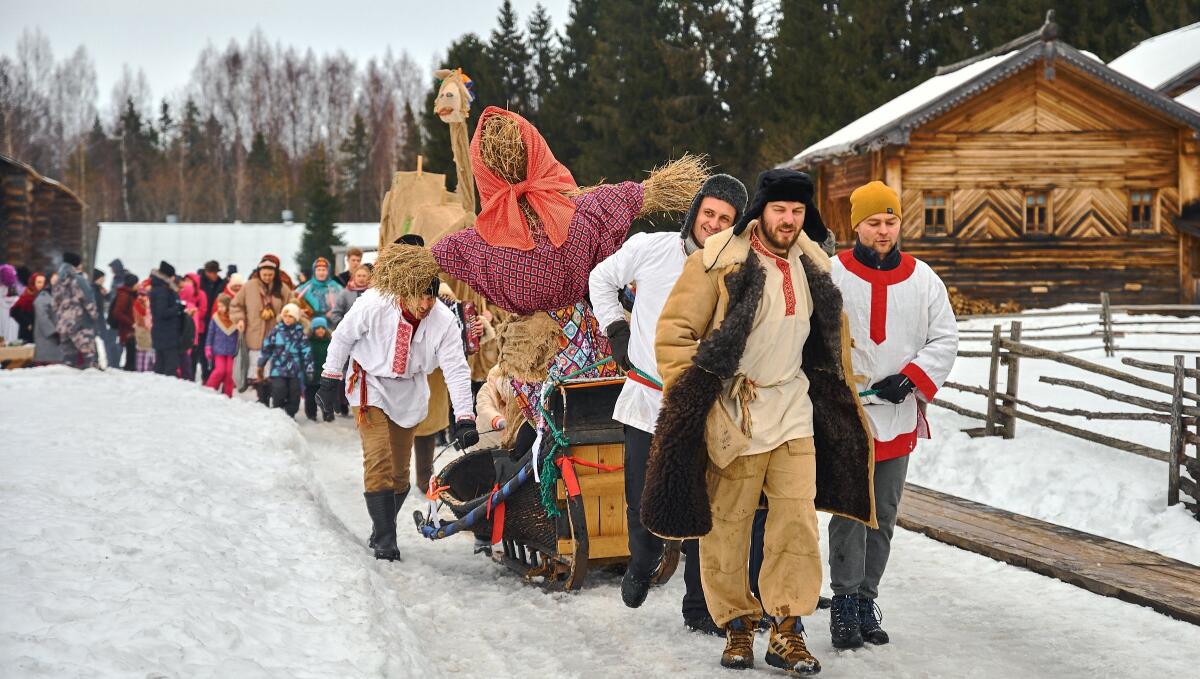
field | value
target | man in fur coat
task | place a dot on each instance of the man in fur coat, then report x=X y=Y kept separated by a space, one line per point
x=905 y=343
x=394 y=336
x=759 y=401
x=652 y=262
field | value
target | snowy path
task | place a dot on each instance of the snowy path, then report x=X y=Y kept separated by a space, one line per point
x=187 y=535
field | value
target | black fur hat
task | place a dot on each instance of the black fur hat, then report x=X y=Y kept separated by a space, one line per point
x=72 y=258
x=783 y=184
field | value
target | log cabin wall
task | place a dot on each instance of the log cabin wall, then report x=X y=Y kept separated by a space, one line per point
x=1083 y=148
x=39 y=218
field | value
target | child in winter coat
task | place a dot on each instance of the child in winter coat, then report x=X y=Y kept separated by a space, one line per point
x=291 y=359
x=318 y=342
x=142 y=325
x=220 y=346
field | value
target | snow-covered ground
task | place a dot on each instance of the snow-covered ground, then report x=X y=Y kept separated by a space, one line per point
x=1053 y=476
x=153 y=528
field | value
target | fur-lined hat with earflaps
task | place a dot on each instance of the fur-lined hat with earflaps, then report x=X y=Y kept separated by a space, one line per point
x=722 y=187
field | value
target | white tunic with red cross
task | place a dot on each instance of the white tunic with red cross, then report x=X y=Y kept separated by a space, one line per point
x=902 y=323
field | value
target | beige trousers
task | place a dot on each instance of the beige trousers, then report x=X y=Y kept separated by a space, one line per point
x=386 y=451
x=790 y=580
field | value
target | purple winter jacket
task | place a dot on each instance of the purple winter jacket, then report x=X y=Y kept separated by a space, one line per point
x=222 y=341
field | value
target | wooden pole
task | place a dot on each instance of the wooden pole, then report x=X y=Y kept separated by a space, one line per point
x=1158 y=406
x=1106 y=323
x=1119 y=444
x=1059 y=357
x=420 y=164
x=1011 y=383
x=1162 y=368
x=1175 y=450
x=989 y=428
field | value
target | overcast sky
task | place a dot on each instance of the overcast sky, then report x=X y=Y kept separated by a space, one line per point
x=164 y=37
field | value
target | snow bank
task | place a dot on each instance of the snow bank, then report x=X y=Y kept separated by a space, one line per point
x=1053 y=476
x=152 y=528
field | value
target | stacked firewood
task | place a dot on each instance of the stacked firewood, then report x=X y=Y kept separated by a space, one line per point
x=970 y=306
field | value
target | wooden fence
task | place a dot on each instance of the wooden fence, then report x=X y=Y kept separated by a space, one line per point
x=1110 y=329
x=1005 y=407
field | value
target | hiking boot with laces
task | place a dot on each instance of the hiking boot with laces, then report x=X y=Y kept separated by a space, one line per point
x=787 y=649
x=739 y=644
x=844 y=626
x=869 y=620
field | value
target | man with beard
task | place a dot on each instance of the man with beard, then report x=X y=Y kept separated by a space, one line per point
x=905 y=343
x=751 y=329
x=652 y=262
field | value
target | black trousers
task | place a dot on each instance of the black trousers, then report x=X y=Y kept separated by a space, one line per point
x=756 y=549
x=645 y=548
x=310 y=400
x=285 y=393
x=131 y=354
x=166 y=362
x=694 y=604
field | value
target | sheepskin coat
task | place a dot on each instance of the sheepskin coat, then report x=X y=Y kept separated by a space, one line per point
x=701 y=337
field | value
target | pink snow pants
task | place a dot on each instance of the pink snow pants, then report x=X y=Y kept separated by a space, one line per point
x=221 y=377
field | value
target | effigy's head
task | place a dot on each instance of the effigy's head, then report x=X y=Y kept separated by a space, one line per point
x=453 y=102
x=406 y=274
x=502 y=148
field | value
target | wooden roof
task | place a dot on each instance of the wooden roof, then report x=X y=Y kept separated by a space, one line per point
x=40 y=178
x=963 y=81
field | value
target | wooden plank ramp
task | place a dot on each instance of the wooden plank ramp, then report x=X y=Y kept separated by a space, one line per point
x=1097 y=564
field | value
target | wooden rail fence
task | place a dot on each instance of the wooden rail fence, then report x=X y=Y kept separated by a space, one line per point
x=1181 y=412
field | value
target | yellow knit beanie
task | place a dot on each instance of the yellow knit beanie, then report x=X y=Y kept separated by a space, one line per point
x=872 y=199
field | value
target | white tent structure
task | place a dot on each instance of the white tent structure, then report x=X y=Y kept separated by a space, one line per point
x=142 y=245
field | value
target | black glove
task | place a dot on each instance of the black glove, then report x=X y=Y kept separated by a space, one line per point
x=894 y=389
x=618 y=337
x=327 y=396
x=465 y=434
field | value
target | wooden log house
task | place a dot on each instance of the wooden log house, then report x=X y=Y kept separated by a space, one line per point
x=39 y=217
x=1033 y=173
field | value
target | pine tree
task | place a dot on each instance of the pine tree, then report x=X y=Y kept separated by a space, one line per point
x=356 y=156
x=562 y=119
x=321 y=208
x=411 y=146
x=511 y=57
x=543 y=58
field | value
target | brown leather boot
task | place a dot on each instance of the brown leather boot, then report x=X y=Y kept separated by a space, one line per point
x=788 y=651
x=739 y=644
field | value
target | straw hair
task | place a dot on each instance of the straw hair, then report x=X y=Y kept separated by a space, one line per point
x=404 y=272
x=502 y=148
x=528 y=345
x=671 y=187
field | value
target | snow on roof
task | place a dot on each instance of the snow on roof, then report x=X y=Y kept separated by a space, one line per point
x=187 y=246
x=901 y=106
x=1191 y=98
x=1155 y=61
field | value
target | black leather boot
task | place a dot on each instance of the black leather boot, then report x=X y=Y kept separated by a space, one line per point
x=381 y=506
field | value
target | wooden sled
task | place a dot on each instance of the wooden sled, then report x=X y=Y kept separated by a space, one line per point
x=592 y=528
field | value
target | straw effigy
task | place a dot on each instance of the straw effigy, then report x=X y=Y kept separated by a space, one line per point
x=404 y=272
x=528 y=345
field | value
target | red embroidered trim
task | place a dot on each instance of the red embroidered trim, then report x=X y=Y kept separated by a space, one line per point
x=879 y=280
x=789 y=290
x=404 y=333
